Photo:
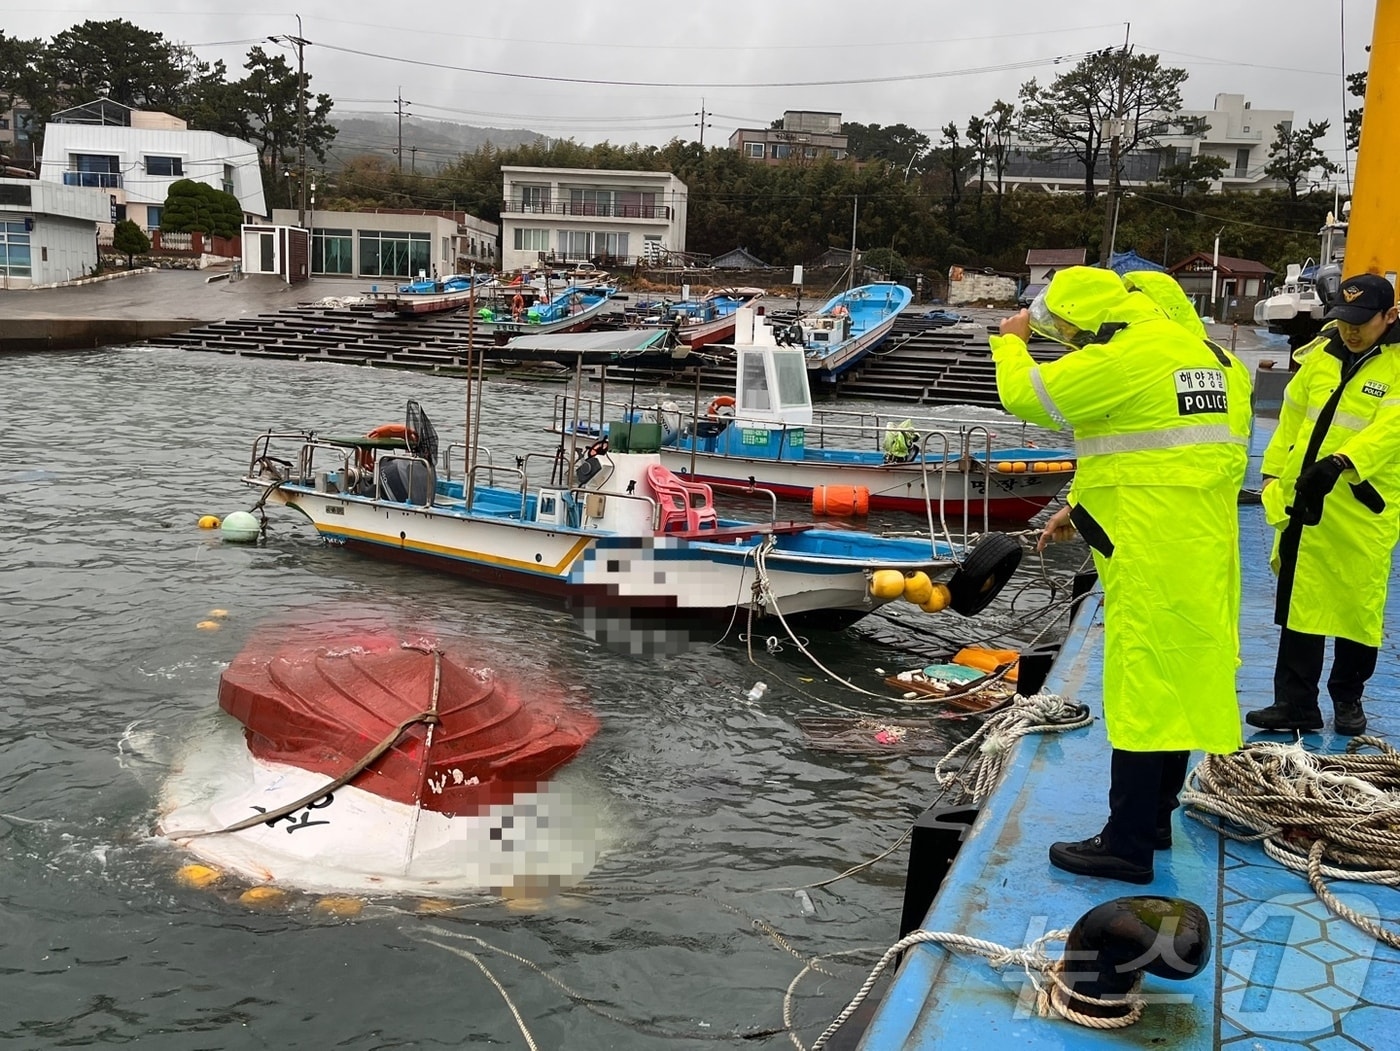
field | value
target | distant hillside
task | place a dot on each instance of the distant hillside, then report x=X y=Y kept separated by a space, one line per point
x=439 y=142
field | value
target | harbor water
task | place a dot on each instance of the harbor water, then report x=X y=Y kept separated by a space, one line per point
x=687 y=931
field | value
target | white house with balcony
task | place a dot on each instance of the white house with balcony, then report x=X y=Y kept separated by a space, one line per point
x=558 y=216
x=135 y=155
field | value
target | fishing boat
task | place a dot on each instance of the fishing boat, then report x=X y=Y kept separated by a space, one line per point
x=1297 y=307
x=371 y=760
x=846 y=328
x=610 y=528
x=507 y=311
x=768 y=434
x=698 y=322
x=428 y=295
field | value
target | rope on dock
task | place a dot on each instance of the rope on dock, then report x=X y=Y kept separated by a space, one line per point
x=1334 y=816
x=1053 y=995
x=991 y=744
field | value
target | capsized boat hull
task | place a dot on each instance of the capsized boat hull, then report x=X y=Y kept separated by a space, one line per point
x=356 y=841
x=324 y=706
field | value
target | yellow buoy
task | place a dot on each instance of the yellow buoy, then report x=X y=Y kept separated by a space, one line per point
x=208 y=625
x=886 y=584
x=1019 y=467
x=209 y=522
x=198 y=875
x=938 y=599
x=917 y=587
x=1067 y=465
x=340 y=908
x=218 y=614
x=259 y=897
x=1004 y=467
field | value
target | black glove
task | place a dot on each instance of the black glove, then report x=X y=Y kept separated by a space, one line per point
x=1312 y=488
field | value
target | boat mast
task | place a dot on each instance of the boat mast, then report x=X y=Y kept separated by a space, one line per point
x=471 y=351
x=1371 y=242
x=851 y=273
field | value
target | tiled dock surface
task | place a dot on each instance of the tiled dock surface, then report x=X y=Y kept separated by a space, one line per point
x=1284 y=974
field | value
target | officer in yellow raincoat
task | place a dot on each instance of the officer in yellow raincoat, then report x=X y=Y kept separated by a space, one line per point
x=1162 y=453
x=1340 y=422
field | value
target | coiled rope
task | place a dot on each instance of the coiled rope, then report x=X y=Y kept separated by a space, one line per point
x=1053 y=995
x=1334 y=816
x=984 y=754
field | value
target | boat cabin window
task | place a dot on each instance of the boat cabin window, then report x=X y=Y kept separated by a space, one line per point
x=753 y=383
x=791 y=369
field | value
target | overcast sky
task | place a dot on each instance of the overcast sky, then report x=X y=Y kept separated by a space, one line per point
x=917 y=62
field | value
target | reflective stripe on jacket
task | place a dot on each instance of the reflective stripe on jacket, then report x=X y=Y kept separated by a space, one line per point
x=1335 y=583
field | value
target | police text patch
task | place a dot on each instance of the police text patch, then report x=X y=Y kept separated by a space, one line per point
x=1200 y=390
x=1374 y=389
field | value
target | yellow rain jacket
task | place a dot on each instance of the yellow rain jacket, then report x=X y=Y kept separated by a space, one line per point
x=1160 y=467
x=1332 y=576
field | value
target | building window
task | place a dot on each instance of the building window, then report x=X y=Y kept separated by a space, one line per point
x=534 y=198
x=781 y=150
x=531 y=240
x=1241 y=163
x=154 y=213
x=588 y=244
x=394 y=254
x=167 y=166
x=228 y=178
x=14 y=250
x=754 y=149
x=332 y=251
x=809 y=152
x=100 y=171
x=4 y=123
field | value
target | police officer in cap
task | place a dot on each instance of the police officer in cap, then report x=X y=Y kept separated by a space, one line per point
x=1340 y=423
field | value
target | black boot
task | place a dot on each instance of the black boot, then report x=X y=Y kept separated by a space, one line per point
x=1282 y=717
x=1348 y=719
x=1091 y=857
x=1164 y=837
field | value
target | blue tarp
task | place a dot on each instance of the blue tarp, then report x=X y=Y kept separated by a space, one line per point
x=1128 y=262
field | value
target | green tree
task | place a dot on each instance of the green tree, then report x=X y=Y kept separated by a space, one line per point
x=1356 y=87
x=128 y=239
x=268 y=98
x=1073 y=113
x=1296 y=154
x=887 y=261
x=898 y=144
x=195 y=206
x=953 y=159
x=1000 y=126
x=120 y=61
x=1194 y=175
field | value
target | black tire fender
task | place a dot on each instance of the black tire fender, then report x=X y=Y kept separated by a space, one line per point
x=989 y=565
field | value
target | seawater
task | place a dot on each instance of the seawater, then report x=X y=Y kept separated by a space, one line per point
x=716 y=807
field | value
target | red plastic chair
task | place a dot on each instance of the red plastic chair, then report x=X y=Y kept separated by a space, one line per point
x=685 y=506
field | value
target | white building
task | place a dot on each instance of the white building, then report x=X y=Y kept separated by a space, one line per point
x=135 y=156
x=1233 y=129
x=574 y=215
x=48 y=233
x=395 y=242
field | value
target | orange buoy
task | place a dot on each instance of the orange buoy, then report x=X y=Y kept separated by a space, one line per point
x=841 y=501
x=988 y=660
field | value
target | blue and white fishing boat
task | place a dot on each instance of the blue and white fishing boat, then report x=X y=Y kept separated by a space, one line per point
x=610 y=529
x=847 y=327
x=429 y=295
x=700 y=322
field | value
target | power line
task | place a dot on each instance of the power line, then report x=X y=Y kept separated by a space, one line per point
x=900 y=78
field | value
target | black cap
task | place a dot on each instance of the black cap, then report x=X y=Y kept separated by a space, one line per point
x=1361 y=298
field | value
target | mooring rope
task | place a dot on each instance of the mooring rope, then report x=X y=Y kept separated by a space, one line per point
x=1039 y=713
x=1053 y=995
x=1309 y=809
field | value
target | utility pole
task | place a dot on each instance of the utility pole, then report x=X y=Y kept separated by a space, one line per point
x=300 y=42
x=1110 y=205
x=702 y=125
x=402 y=102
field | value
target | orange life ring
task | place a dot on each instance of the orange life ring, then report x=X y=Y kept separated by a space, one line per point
x=839 y=310
x=724 y=401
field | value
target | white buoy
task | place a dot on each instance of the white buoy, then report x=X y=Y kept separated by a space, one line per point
x=240 y=528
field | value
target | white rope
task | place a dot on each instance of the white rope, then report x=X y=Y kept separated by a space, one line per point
x=1053 y=995
x=1309 y=809
x=1039 y=713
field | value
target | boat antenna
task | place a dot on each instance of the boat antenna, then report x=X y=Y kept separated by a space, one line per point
x=855 y=211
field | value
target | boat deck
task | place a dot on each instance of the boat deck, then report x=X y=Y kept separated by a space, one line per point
x=1284 y=972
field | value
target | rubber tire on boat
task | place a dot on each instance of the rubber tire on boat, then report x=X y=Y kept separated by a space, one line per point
x=981 y=577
